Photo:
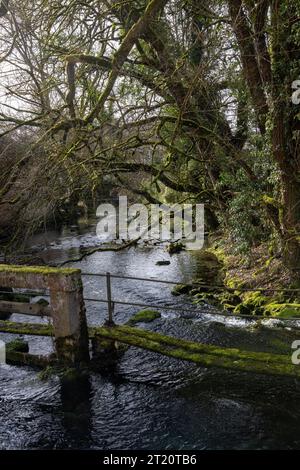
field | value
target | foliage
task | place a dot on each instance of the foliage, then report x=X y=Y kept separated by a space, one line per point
x=167 y=99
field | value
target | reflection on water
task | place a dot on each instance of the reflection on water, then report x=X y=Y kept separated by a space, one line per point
x=76 y=406
x=149 y=401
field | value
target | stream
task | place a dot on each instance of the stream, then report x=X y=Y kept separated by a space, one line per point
x=149 y=401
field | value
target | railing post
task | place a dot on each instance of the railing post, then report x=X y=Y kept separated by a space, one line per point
x=105 y=352
x=69 y=319
x=110 y=304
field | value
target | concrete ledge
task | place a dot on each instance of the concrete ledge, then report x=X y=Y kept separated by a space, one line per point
x=39 y=277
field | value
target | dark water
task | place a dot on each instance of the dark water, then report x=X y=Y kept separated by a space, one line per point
x=149 y=401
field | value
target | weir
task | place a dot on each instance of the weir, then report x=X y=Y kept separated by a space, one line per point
x=71 y=334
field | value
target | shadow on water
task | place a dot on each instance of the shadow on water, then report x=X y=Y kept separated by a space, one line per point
x=76 y=407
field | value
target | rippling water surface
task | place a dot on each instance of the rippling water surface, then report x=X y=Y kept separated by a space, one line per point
x=149 y=401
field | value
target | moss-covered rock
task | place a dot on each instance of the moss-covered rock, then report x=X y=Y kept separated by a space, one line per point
x=285 y=310
x=234 y=297
x=209 y=274
x=223 y=299
x=231 y=299
x=144 y=316
x=205 y=297
x=180 y=289
x=253 y=304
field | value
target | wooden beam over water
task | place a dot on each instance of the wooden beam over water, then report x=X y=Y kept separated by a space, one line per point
x=204 y=355
x=25 y=308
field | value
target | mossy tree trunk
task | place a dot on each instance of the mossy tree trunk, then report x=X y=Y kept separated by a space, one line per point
x=270 y=57
x=285 y=123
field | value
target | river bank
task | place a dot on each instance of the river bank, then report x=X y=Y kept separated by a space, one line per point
x=254 y=284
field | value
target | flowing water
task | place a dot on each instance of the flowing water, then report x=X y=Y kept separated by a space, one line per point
x=148 y=401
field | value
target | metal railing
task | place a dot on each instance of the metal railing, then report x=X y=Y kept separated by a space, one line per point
x=111 y=302
x=194 y=284
x=210 y=311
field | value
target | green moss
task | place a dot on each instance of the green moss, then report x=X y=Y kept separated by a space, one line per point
x=47 y=373
x=287 y=310
x=234 y=282
x=181 y=289
x=219 y=253
x=19 y=358
x=229 y=298
x=104 y=344
x=144 y=316
x=203 y=354
x=128 y=333
x=253 y=304
x=17 y=345
x=280 y=346
x=228 y=307
x=201 y=297
x=26 y=328
x=222 y=299
x=16 y=269
x=270 y=201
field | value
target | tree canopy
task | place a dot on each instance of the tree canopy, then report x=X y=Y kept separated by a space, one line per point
x=173 y=100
